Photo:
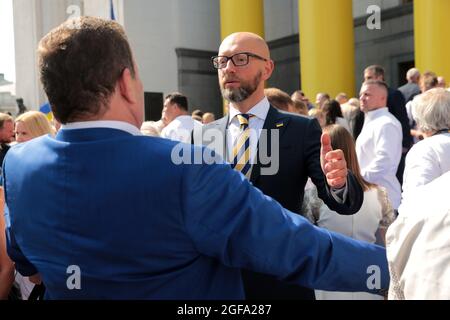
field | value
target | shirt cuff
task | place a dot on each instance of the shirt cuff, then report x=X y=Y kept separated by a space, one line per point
x=340 y=195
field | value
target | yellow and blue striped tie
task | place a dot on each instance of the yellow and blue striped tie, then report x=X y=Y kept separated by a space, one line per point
x=241 y=147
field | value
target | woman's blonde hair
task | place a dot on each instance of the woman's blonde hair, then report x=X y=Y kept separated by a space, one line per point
x=341 y=139
x=36 y=123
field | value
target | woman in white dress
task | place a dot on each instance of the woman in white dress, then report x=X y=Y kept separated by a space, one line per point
x=368 y=224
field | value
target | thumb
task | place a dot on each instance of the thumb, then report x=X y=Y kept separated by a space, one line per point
x=326 y=144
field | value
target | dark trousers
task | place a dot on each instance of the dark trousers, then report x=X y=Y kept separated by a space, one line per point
x=401 y=168
x=260 y=286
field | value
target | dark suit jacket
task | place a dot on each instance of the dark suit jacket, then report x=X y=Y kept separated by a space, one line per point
x=299 y=158
x=3 y=150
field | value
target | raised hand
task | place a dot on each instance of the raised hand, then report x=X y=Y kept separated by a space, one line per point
x=333 y=163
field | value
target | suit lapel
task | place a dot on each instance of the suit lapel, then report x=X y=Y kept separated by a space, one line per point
x=275 y=120
x=222 y=126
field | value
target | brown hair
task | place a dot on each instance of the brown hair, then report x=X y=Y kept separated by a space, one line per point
x=341 y=139
x=4 y=117
x=428 y=80
x=300 y=107
x=332 y=110
x=376 y=69
x=278 y=98
x=80 y=62
x=380 y=84
x=197 y=112
x=179 y=99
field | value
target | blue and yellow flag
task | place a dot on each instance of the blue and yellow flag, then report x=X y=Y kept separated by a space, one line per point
x=45 y=109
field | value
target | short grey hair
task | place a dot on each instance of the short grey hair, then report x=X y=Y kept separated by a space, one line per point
x=412 y=73
x=432 y=110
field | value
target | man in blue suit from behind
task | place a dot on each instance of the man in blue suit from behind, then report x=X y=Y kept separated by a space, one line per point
x=101 y=212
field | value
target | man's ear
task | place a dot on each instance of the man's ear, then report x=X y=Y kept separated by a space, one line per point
x=268 y=69
x=126 y=86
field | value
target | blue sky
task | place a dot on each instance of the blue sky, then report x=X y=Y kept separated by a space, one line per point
x=7 y=64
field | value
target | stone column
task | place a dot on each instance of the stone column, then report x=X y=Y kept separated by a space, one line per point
x=431 y=32
x=326 y=47
x=241 y=15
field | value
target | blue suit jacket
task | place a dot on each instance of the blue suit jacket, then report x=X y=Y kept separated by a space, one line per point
x=139 y=226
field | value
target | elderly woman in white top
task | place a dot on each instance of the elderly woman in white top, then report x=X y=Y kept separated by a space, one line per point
x=429 y=158
x=418 y=244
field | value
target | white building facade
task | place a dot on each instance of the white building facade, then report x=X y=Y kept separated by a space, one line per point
x=173 y=41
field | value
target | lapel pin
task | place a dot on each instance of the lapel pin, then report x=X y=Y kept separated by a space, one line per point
x=279 y=125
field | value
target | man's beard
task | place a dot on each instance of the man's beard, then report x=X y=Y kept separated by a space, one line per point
x=242 y=93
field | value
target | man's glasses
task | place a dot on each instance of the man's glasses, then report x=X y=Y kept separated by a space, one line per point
x=239 y=59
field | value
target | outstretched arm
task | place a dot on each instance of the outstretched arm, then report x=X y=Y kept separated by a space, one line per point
x=241 y=227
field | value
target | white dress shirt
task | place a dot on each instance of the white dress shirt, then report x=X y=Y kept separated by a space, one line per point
x=180 y=129
x=256 y=123
x=427 y=160
x=119 y=125
x=411 y=112
x=379 y=149
x=410 y=108
x=418 y=244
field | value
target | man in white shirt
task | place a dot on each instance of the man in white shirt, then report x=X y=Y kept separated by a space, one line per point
x=379 y=146
x=179 y=123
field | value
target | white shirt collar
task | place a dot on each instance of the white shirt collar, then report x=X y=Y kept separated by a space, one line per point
x=119 y=125
x=260 y=110
x=183 y=116
x=376 y=113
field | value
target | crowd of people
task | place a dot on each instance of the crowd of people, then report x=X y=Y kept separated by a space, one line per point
x=304 y=200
